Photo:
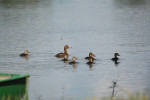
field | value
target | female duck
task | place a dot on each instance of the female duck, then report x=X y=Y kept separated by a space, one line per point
x=59 y=55
x=73 y=60
x=91 y=55
x=25 y=53
x=115 y=57
x=65 y=58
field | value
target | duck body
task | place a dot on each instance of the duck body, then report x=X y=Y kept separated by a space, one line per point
x=115 y=57
x=24 y=54
x=65 y=58
x=91 y=61
x=72 y=62
x=90 y=58
x=60 y=55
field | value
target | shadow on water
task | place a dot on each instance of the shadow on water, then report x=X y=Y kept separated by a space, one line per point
x=116 y=63
x=21 y=4
x=19 y=1
x=131 y=2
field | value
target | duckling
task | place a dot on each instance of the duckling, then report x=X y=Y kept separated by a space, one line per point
x=91 y=61
x=115 y=57
x=25 y=53
x=91 y=55
x=60 y=55
x=73 y=60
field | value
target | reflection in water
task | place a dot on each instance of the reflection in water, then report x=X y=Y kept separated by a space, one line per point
x=131 y=3
x=116 y=63
x=65 y=60
x=114 y=85
x=90 y=62
x=90 y=66
x=74 y=66
x=25 y=57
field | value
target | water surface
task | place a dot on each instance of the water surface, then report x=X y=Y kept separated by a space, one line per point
x=99 y=26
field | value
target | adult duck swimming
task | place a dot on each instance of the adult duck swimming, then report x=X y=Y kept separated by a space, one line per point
x=60 y=55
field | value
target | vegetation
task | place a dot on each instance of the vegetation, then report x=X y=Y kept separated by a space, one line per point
x=137 y=96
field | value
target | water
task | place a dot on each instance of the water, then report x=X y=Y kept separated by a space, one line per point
x=99 y=26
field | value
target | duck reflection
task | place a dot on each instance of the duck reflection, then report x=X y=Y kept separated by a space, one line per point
x=74 y=66
x=90 y=62
x=26 y=57
x=116 y=63
x=65 y=59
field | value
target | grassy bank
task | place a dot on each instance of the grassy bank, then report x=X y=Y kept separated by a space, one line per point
x=137 y=96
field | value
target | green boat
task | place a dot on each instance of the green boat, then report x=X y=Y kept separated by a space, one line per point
x=13 y=86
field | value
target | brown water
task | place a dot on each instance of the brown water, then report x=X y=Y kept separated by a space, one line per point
x=99 y=26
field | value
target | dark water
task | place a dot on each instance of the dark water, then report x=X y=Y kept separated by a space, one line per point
x=99 y=26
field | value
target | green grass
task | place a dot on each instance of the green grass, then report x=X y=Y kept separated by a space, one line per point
x=136 y=96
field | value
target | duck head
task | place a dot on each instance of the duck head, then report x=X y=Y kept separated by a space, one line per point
x=74 y=58
x=91 y=55
x=26 y=51
x=66 y=47
x=116 y=54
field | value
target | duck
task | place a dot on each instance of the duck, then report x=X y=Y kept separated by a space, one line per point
x=60 y=55
x=73 y=60
x=24 y=54
x=91 y=61
x=65 y=58
x=115 y=57
x=91 y=55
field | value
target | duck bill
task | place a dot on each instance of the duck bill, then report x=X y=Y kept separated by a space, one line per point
x=70 y=47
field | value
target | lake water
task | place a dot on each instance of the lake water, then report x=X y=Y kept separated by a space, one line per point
x=99 y=26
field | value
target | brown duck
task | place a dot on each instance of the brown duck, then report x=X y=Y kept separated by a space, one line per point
x=60 y=55
x=73 y=60
x=65 y=58
x=25 y=53
x=91 y=55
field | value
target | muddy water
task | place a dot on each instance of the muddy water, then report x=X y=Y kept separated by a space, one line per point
x=99 y=26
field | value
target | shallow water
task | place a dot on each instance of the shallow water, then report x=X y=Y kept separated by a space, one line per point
x=99 y=26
